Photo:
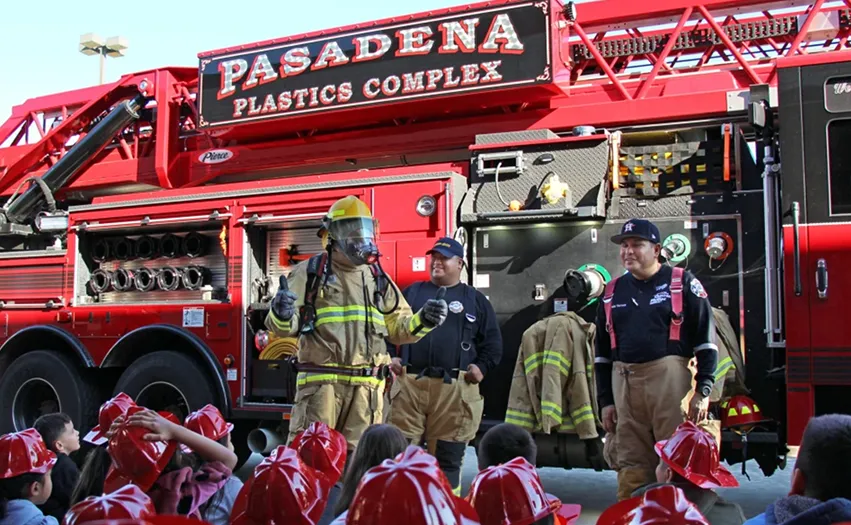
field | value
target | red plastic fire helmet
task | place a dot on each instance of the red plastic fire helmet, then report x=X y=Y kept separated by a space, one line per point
x=693 y=454
x=324 y=449
x=134 y=458
x=128 y=502
x=409 y=489
x=740 y=411
x=208 y=422
x=109 y=411
x=282 y=490
x=24 y=453
x=665 y=505
x=511 y=494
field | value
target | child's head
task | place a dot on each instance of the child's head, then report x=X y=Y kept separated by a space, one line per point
x=504 y=442
x=25 y=465
x=692 y=455
x=58 y=432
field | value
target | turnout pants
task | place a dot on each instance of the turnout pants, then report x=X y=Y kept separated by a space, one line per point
x=651 y=401
x=349 y=409
x=444 y=415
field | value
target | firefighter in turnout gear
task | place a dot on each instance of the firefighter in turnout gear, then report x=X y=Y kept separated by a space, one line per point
x=436 y=398
x=342 y=306
x=651 y=323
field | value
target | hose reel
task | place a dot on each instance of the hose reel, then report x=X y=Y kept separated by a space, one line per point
x=587 y=283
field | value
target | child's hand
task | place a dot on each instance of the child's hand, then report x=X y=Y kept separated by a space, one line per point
x=161 y=428
x=115 y=424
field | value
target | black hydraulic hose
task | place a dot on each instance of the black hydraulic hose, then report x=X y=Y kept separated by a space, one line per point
x=101 y=250
x=124 y=249
x=146 y=247
x=170 y=246
x=194 y=245
x=61 y=173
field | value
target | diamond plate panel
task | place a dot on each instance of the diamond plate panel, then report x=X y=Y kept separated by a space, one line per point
x=515 y=136
x=629 y=208
x=582 y=165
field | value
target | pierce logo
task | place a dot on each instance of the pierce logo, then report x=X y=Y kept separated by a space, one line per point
x=215 y=156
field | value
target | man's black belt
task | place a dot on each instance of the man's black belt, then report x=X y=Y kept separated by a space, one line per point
x=435 y=372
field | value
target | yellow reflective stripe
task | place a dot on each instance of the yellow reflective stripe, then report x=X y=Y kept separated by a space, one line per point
x=342 y=314
x=567 y=426
x=415 y=323
x=589 y=369
x=283 y=326
x=521 y=419
x=557 y=359
x=532 y=362
x=723 y=367
x=457 y=491
x=582 y=414
x=552 y=410
x=305 y=378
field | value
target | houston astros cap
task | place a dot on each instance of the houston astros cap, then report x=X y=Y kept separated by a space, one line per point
x=448 y=247
x=638 y=228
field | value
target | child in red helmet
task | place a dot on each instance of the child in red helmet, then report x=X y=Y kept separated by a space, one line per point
x=664 y=505
x=209 y=422
x=97 y=462
x=128 y=502
x=25 y=465
x=144 y=451
x=512 y=494
x=689 y=461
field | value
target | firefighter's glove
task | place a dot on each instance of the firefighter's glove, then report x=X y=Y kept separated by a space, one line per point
x=283 y=304
x=436 y=310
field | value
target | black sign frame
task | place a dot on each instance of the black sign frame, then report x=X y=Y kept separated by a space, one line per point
x=260 y=84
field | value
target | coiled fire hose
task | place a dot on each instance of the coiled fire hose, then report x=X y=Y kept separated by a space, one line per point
x=194 y=277
x=124 y=249
x=145 y=279
x=122 y=280
x=279 y=348
x=168 y=278
x=100 y=281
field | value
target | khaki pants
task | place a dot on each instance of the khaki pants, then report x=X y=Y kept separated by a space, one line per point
x=651 y=400
x=444 y=415
x=349 y=409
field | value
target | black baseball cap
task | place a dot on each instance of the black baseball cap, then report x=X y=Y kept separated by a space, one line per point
x=640 y=229
x=448 y=247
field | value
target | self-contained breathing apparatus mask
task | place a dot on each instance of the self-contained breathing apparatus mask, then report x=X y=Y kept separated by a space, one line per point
x=355 y=238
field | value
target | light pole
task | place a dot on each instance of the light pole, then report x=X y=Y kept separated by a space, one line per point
x=92 y=44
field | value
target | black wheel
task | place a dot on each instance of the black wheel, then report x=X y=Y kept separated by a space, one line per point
x=40 y=382
x=167 y=381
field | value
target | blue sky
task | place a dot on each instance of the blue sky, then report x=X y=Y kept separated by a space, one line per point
x=39 y=38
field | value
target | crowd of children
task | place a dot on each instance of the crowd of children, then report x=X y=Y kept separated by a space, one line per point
x=147 y=467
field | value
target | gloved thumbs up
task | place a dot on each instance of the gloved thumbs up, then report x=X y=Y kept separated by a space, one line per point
x=436 y=310
x=283 y=304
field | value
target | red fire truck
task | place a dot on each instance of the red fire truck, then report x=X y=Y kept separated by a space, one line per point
x=146 y=222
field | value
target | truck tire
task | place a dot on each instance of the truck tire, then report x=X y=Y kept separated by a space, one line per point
x=167 y=381
x=40 y=382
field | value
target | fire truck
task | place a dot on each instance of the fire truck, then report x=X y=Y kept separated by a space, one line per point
x=146 y=222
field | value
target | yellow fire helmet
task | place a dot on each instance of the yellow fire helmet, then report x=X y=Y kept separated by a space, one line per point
x=349 y=225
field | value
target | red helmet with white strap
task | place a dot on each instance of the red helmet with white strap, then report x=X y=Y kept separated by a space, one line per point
x=109 y=412
x=208 y=422
x=282 y=490
x=24 y=453
x=693 y=454
x=128 y=502
x=322 y=448
x=664 y=505
x=410 y=489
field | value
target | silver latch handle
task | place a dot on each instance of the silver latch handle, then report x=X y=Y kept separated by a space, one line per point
x=821 y=278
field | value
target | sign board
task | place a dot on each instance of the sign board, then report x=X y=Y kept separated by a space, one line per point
x=485 y=49
x=837 y=94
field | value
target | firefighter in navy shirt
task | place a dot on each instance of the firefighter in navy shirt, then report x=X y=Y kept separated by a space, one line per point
x=651 y=323
x=436 y=398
